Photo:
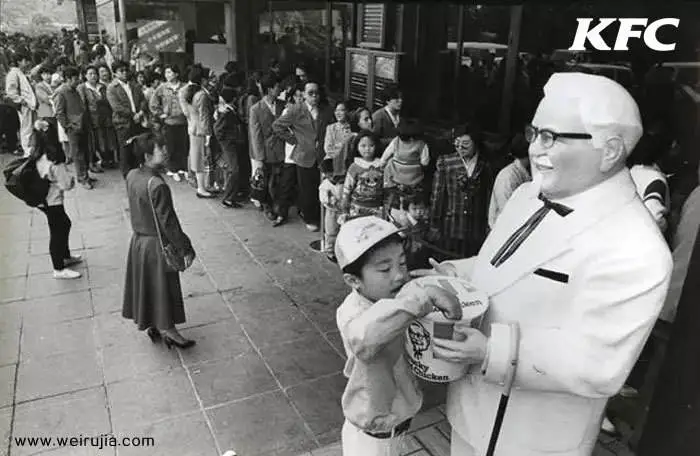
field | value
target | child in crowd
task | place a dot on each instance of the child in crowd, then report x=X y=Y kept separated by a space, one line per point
x=382 y=395
x=404 y=159
x=331 y=188
x=363 y=191
x=51 y=166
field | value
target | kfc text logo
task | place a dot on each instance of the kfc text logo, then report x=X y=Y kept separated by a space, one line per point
x=584 y=33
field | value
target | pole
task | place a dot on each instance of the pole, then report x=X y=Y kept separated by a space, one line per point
x=123 y=30
x=516 y=16
x=507 y=387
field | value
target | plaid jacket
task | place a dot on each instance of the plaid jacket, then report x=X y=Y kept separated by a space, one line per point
x=459 y=204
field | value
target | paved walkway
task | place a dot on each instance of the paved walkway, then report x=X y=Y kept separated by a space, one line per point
x=264 y=378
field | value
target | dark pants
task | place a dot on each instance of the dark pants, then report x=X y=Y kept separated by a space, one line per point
x=273 y=175
x=78 y=145
x=286 y=189
x=9 y=128
x=59 y=229
x=178 y=143
x=230 y=155
x=308 y=180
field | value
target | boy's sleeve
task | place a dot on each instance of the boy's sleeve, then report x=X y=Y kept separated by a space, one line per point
x=368 y=331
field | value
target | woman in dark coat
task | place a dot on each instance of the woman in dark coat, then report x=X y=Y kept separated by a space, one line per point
x=152 y=292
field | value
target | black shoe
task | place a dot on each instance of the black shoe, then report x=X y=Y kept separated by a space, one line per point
x=154 y=334
x=271 y=216
x=231 y=204
x=169 y=342
x=331 y=257
x=279 y=221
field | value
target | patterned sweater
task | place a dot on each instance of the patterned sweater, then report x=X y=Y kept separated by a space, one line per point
x=363 y=185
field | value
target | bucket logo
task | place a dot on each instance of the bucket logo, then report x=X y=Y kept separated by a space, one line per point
x=629 y=28
x=420 y=339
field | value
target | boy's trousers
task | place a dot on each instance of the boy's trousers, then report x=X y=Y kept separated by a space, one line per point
x=356 y=443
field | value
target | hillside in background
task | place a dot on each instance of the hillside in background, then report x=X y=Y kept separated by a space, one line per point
x=45 y=16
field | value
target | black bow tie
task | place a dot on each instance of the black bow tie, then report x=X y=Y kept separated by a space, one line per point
x=556 y=207
x=522 y=233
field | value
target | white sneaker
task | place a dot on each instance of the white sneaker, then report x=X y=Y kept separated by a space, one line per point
x=170 y=173
x=66 y=274
x=230 y=453
x=176 y=177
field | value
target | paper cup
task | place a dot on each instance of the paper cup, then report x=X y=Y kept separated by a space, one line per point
x=421 y=332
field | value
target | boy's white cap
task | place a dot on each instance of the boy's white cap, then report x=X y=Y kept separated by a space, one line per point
x=358 y=235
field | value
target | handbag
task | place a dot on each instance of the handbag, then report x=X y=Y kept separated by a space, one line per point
x=174 y=257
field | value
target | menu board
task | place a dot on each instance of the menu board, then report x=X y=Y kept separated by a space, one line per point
x=358 y=88
x=380 y=88
x=372 y=25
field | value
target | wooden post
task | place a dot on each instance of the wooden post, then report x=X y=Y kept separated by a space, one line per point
x=123 y=31
x=230 y=26
x=516 y=16
x=458 y=62
x=329 y=43
x=672 y=424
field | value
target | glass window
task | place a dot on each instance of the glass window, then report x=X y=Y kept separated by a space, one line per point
x=299 y=33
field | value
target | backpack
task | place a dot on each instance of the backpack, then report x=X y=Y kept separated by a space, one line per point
x=23 y=181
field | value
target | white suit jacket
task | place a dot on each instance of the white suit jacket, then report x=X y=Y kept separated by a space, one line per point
x=586 y=290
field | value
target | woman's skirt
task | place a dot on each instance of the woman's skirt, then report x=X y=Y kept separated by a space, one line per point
x=198 y=162
x=152 y=294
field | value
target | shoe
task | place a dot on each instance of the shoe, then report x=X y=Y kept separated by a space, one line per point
x=204 y=194
x=231 y=204
x=271 y=216
x=153 y=334
x=73 y=259
x=169 y=342
x=629 y=392
x=96 y=169
x=87 y=185
x=176 y=177
x=256 y=203
x=331 y=257
x=279 y=221
x=66 y=274
x=311 y=227
x=608 y=427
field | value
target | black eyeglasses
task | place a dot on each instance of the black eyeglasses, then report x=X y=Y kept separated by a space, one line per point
x=548 y=137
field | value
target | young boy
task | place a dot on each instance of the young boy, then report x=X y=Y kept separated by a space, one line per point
x=381 y=396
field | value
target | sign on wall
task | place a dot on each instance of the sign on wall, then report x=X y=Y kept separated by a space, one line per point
x=162 y=36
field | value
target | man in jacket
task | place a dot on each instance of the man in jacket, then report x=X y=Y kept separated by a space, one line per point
x=70 y=113
x=19 y=91
x=128 y=111
x=266 y=149
x=575 y=261
x=304 y=126
x=386 y=120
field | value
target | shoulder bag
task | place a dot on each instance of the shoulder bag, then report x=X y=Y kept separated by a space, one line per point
x=174 y=257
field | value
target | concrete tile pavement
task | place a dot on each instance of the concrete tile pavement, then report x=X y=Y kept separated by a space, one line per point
x=264 y=378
